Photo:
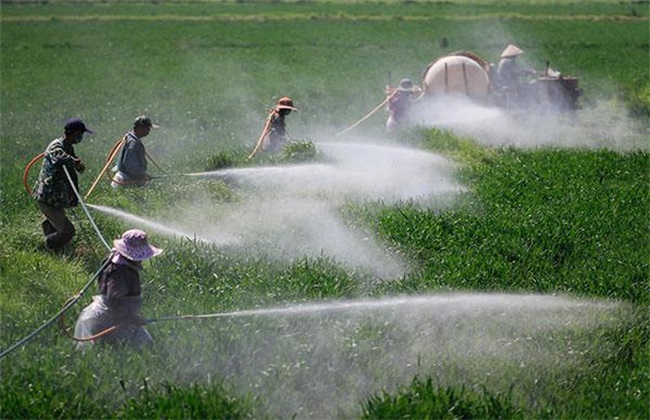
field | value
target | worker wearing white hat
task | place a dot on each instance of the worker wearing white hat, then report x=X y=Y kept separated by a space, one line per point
x=508 y=71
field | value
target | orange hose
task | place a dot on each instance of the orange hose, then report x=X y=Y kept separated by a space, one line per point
x=377 y=108
x=27 y=169
x=154 y=162
x=89 y=338
x=265 y=131
x=109 y=158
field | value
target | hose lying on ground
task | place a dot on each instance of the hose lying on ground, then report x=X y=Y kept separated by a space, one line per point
x=70 y=302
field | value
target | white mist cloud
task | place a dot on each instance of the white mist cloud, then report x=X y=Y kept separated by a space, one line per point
x=331 y=356
x=604 y=124
x=293 y=211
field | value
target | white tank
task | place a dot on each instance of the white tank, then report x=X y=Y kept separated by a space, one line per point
x=456 y=74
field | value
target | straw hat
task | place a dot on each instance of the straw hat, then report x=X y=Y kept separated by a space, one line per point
x=285 y=103
x=134 y=245
x=511 y=51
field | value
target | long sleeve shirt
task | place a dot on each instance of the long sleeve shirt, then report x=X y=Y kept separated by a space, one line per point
x=133 y=160
x=53 y=187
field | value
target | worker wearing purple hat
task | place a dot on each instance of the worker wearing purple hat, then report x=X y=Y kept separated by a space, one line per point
x=131 y=168
x=119 y=302
x=53 y=191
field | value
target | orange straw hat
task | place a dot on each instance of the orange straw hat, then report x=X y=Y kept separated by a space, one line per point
x=134 y=245
x=285 y=103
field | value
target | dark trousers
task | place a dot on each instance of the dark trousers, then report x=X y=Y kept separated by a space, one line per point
x=57 y=228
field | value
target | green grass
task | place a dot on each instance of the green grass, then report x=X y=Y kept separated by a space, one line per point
x=546 y=221
x=422 y=400
x=550 y=221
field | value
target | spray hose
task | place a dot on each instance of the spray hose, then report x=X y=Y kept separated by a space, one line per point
x=85 y=209
x=265 y=131
x=155 y=164
x=109 y=158
x=69 y=303
x=28 y=168
x=377 y=108
x=91 y=337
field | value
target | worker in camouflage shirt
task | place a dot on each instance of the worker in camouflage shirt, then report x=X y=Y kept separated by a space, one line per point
x=53 y=192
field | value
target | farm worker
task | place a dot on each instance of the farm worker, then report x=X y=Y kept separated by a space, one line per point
x=131 y=168
x=274 y=135
x=53 y=191
x=399 y=103
x=120 y=295
x=508 y=71
x=277 y=132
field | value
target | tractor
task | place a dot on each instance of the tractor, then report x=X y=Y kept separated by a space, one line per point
x=465 y=73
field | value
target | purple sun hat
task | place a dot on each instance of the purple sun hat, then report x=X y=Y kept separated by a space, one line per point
x=134 y=245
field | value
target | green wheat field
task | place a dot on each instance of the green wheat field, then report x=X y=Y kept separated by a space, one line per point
x=480 y=265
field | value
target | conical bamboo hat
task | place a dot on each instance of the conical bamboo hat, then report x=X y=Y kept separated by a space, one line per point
x=511 y=51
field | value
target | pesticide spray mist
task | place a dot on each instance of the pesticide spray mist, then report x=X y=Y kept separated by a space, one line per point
x=325 y=359
x=294 y=211
x=602 y=125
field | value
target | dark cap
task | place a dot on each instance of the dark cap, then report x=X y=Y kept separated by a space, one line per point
x=144 y=121
x=75 y=124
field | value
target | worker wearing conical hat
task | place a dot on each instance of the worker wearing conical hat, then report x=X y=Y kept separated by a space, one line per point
x=277 y=131
x=511 y=51
x=508 y=71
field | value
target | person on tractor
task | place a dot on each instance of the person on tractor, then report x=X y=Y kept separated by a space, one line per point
x=509 y=76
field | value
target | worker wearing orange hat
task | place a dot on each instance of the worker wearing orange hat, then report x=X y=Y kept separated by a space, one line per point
x=277 y=131
x=274 y=135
